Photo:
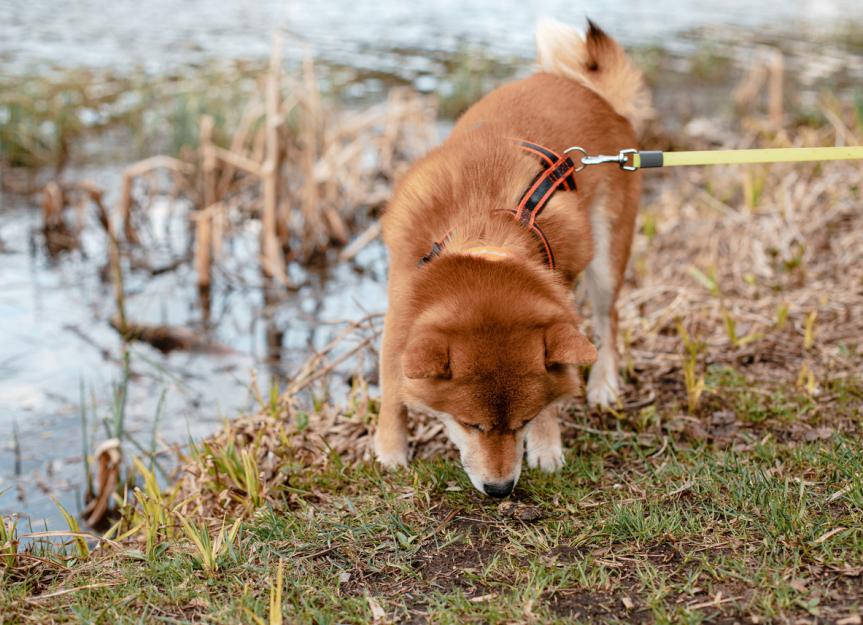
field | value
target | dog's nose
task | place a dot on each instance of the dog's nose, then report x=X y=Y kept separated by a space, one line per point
x=499 y=490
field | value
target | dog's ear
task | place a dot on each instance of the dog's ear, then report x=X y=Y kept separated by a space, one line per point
x=565 y=345
x=427 y=356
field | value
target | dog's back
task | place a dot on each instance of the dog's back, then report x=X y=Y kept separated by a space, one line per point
x=578 y=98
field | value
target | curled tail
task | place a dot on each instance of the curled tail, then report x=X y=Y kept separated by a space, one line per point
x=599 y=63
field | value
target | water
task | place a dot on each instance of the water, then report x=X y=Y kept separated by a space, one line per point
x=55 y=338
x=54 y=332
x=164 y=35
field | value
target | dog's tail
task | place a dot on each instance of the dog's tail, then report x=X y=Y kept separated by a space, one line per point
x=596 y=61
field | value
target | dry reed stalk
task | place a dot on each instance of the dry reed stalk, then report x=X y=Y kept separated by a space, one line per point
x=204 y=217
x=204 y=247
x=387 y=143
x=114 y=257
x=259 y=144
x=180 y=168
x=359 y=244
x=747 y=89
x=775 y=91
x=219 y=219
x=844 y=135
x=251 y=113
x=52 y=205
x=273 y=262
x=238 y=161
x=208 y=155
x=767 y=70
x=311 y=119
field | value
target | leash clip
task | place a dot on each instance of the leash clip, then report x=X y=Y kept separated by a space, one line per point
x=621 y=158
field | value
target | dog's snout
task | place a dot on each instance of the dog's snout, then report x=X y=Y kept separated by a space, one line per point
x=501 y=489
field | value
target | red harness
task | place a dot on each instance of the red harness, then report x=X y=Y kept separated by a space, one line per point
x=558 y=172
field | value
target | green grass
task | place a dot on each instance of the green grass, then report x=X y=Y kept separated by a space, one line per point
x=634 y=529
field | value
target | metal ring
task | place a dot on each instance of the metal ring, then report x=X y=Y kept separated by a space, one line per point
x=576 y=148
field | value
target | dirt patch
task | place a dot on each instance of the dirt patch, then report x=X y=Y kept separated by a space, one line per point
x=593 y=606
x=451 y=566
x=454 y=564
x=567 y=554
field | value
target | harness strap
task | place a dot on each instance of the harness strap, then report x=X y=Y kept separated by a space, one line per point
x=549 y=158
x=536 y=231
x=559 y=172
x=543 y=186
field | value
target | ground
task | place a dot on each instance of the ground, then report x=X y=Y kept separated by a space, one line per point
x=753 y=519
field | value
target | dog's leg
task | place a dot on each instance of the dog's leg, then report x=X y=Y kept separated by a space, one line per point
x=602 y=280
x=544 y=448
x=391 y=436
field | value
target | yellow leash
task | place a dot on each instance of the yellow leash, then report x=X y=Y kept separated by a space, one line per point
x=630 y=160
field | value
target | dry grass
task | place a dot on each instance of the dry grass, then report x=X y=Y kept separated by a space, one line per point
x=769 y=279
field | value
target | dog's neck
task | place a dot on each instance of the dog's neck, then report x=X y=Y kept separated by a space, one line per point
x=496 y=239
x=486 y=251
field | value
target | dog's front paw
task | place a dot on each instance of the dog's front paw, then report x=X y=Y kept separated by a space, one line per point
x=544 y=447
x=391 y=454
x=603 y=388
x=549 y=458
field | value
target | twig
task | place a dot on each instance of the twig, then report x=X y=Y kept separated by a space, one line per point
x=357 y=245
x=66 y=591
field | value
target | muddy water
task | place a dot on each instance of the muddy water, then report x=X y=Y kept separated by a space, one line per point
x=54 y=332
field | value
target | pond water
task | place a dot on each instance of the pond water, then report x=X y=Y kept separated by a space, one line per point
x=161 y=35
x=56 y=344
x=54 y=334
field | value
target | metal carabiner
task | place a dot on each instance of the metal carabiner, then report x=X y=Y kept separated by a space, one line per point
x=583 y=151
x=622 y=158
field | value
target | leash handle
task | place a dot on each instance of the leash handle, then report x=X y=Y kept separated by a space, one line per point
x=631 y=159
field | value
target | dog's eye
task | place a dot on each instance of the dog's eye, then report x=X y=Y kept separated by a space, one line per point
x=472 y=426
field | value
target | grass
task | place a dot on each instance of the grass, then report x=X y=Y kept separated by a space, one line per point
x=46 y=120
x=668 y=528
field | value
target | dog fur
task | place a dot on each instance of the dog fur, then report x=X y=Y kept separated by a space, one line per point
x=485 y=336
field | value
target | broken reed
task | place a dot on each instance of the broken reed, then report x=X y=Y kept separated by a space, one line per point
x=302 y=170
x=307 y=173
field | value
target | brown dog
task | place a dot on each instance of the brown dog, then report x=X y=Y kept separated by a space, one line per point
x=481 y=331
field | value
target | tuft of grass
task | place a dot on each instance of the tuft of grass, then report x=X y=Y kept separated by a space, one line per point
x=9 y=542
x=251 y=480
x=781 y=315
x=75 y=530
x=707 y=280
x=209 y=550
x=809 y=330
x=151 y=518
x=693 y=380
x=731 y=331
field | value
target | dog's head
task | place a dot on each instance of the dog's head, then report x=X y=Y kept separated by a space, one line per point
x=492 y=348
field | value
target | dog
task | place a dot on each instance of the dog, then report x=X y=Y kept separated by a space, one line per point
x=487 y=235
